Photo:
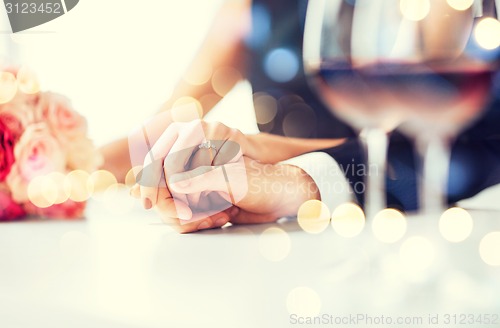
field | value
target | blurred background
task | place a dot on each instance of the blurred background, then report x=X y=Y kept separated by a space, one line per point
x=118 y=61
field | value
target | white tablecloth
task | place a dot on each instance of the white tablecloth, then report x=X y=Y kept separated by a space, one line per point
x=120 y=268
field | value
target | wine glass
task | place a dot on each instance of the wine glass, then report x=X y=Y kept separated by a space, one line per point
x=380 y=63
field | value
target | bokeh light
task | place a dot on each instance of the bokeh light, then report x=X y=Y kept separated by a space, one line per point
x=42 y=191
x=313 y=216
x=489 y=248
x=348 y=220
x=224 y=79
x=58 y=179
x=300 y=121
x=389 y=225
x=417 y=254
x=281 y=65
x=199 y=72
x=455 y=225
x=265 y=107
x=460 y=4
x=99 y=181
x=75 y=185
x=8 y=87
x=261 y=26
x=274 y=244
x=130 y=178
x=414 y=10
x=27 y=81
x=487 y=33
x=303 y=302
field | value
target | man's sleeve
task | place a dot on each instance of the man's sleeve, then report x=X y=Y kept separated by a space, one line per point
x=328 y=176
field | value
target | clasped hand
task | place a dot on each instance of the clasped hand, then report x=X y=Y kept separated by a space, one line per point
x=201 y=175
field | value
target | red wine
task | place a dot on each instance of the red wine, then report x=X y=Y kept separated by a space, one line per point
x=444 y=96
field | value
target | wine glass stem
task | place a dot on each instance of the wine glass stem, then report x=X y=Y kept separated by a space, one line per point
x=375 y=142
x=435 y=155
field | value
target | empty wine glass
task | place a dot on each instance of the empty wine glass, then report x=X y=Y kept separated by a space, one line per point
x=380 y=63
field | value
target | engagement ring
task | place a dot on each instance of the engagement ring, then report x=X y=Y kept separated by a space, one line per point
x=207 y=145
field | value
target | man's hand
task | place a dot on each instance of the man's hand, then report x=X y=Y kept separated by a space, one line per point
x=196 y=176
x=273 y=191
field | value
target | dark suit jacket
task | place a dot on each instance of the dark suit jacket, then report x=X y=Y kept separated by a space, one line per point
x=274 y=61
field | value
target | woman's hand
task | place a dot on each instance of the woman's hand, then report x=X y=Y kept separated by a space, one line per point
x=184 y=146
x=265 y=192
x=196 y=187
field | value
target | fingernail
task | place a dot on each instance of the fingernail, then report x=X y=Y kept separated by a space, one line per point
x=204 y=225
x=220 y=222
x=146 y=202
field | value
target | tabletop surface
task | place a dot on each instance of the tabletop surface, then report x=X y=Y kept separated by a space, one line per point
x=120 y=267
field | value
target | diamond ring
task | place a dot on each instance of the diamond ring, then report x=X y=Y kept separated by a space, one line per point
x=207 y=145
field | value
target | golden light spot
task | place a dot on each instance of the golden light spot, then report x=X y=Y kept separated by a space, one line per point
x=290 y=99
x=130 y=178
x=58 y=178
x=489 y=248
x=113 y=199
x=303 y=302
x=8 y=87
x=313 y=216
x=487 y=33
x=389 y=225
x=186 y=109
x=75 y=185
x=348 y=220
x=274 y=244
x=416 y=254
x=224 y=79
x=455 y=224
x=300 y=121
x=414 y=10
x=200 y=72
x=42 y=191
x=460 y=4
x=265 y=107
x=28 y=81
x=99 y=181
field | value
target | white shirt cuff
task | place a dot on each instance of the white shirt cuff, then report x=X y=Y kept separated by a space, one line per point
x=328 y=176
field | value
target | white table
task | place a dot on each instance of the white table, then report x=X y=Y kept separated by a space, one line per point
x=128 y=270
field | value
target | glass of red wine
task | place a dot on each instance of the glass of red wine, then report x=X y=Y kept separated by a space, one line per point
x=423 y=65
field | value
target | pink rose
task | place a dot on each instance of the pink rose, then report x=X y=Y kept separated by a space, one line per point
x=37 y=153
x=7 y=140
x=56 y=110
x=18 y=113
x=9 y=210
x=67 y=210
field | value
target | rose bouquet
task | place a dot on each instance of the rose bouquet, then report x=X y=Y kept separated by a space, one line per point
x=40 y=136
